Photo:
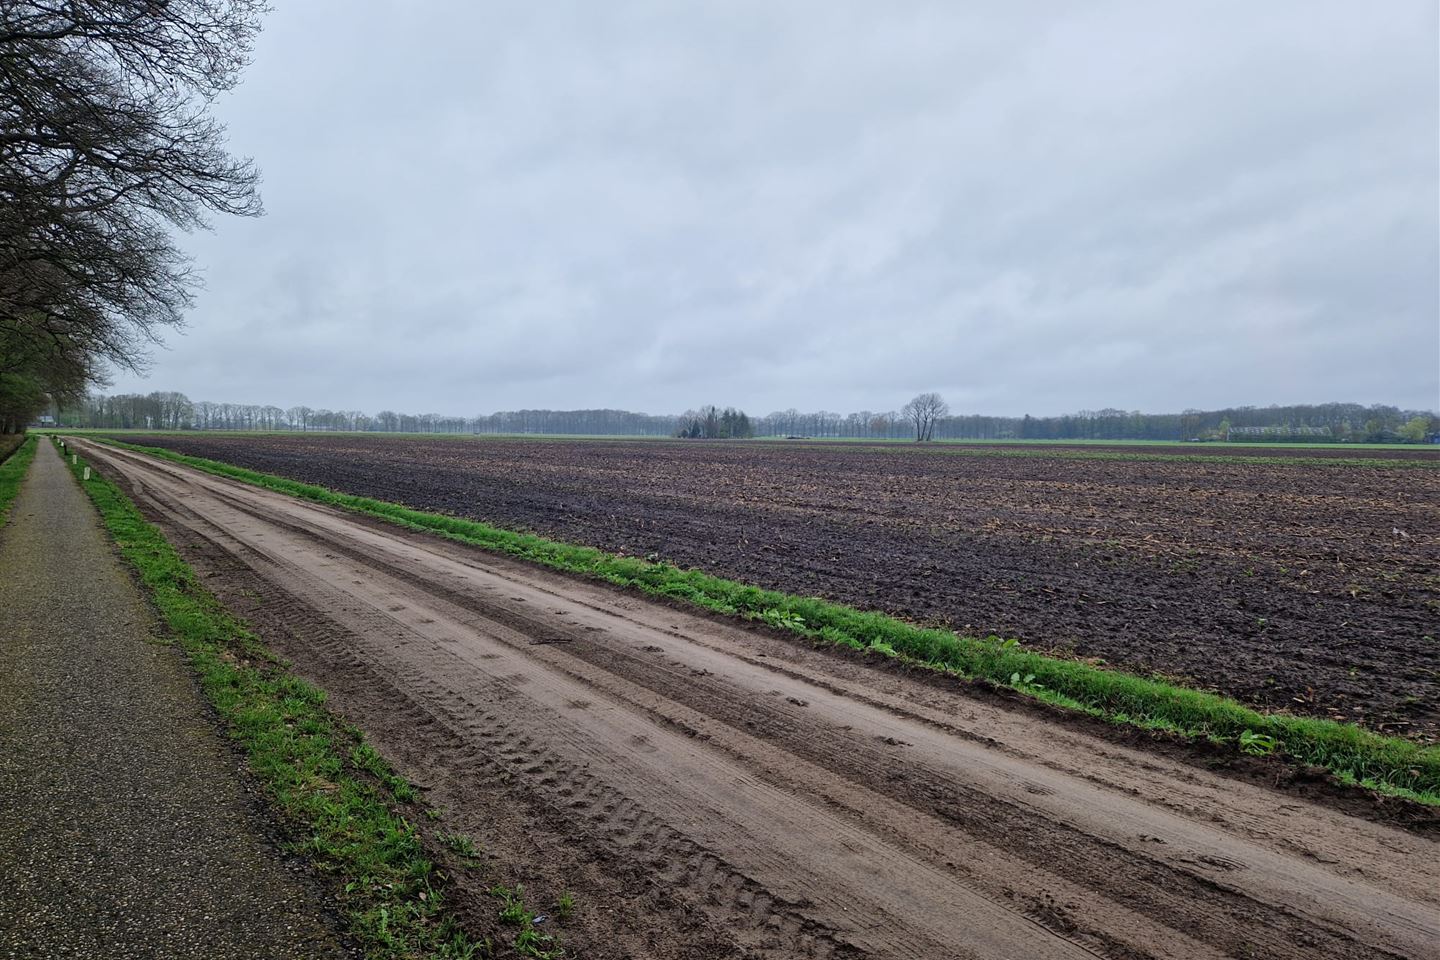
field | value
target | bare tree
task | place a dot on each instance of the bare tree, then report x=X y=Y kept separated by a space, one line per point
x=922 y=412
x=106 y=143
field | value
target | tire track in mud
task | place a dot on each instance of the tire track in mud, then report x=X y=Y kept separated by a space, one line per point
x=619 y=817
x=479 y=748
x=1170 y=895
x=804 y=811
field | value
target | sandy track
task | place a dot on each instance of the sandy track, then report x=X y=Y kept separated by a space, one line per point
x=801 y=804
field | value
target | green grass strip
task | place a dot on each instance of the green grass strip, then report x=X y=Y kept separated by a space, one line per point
x=317 y=769
x=12 y=471
x=1389 y=764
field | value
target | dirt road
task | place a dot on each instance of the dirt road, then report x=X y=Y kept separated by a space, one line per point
x=707 y=790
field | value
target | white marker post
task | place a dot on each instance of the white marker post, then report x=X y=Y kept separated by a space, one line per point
x=74 y=458
x=87 y=473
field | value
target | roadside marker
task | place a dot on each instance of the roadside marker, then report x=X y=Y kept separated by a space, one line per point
x=87 y=473
x=74 y=458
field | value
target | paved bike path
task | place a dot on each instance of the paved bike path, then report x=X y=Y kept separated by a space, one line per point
x=126 y=826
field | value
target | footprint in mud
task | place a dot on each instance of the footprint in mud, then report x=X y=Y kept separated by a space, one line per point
x=396 y=608
x=489 y=656
x=798 y=702
x=579 y=704
x=894 y=743
x=651 y=648
x=642 y=743
x=518 y=678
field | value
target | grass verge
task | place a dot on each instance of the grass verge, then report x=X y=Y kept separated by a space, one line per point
x=13 y=464
x=1390 y=765
x=10 y=442
x=339 y=793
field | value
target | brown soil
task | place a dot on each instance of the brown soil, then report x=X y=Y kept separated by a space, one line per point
x=710 y=791
x=1339 y=451
x=1300 y=587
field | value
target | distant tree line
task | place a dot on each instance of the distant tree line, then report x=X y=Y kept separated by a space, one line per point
x=1334 y=422
x=174 y=411
x=925 y=417
x=618 y=423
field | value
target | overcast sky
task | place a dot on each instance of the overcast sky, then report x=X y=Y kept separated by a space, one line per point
x=1029 y=207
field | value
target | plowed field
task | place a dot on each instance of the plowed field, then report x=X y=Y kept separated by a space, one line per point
x=1314 y=588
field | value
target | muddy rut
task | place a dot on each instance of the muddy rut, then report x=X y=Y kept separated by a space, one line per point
x=772 y=800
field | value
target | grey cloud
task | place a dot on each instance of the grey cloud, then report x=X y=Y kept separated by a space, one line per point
x=1029 y=207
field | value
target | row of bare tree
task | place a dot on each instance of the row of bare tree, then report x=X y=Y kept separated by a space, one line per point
x=174 y=411
x=107 y=144
x=924 y=418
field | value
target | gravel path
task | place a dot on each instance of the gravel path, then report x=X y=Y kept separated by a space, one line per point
x=126 y=828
